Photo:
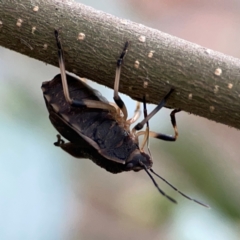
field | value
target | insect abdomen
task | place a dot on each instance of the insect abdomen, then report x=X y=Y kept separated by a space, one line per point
x=74 y=123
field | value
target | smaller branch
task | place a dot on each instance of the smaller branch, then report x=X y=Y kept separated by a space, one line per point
x=206 y=83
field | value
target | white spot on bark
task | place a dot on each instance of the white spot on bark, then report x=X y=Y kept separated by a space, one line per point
x=218 y=72
x=19 y=22
x=142 y=38
x=145 y=84
x=136 y=64
x=216 y=88
x=35 y=8
x=45 y=46
x=208 y=51
x=190 y=96
x=230 y=85
x=211 y=108
x=33 y=29
x=150 y=54
x=81 y=36
x=124 y=21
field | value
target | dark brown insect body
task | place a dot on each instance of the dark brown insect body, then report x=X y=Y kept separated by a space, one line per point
x=99 y=130
x=93 y=133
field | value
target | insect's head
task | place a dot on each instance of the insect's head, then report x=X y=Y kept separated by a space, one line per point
x=137 y=160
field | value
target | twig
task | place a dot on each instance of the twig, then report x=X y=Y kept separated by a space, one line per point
x=206 y=82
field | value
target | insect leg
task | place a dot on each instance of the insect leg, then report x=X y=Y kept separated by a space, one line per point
x=116 y=97
x=140 y=125
x=165 y=137
x=146 y=132
x=62 y=68
x=75 y=150
x=136 y=115
x=75 y=102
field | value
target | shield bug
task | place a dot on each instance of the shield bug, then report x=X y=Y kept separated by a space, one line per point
x=98 y=130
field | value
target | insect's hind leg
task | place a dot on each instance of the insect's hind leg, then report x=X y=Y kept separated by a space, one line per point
x=76 y=102
x=116 y=96
x=161 y=136
x=174 y=124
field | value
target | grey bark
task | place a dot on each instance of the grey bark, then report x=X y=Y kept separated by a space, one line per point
x=206 y=82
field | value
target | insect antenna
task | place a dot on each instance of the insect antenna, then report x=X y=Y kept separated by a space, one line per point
x=156 y=185
x=184 y=195
x=147 y=140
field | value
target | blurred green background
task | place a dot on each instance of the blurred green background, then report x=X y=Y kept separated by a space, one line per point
x=46 y=194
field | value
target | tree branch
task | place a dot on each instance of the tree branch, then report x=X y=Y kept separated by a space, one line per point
x=206 y=82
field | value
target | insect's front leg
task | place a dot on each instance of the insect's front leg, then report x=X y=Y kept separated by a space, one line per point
x=76 y=150
x=59 y=141
x=162 y=136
